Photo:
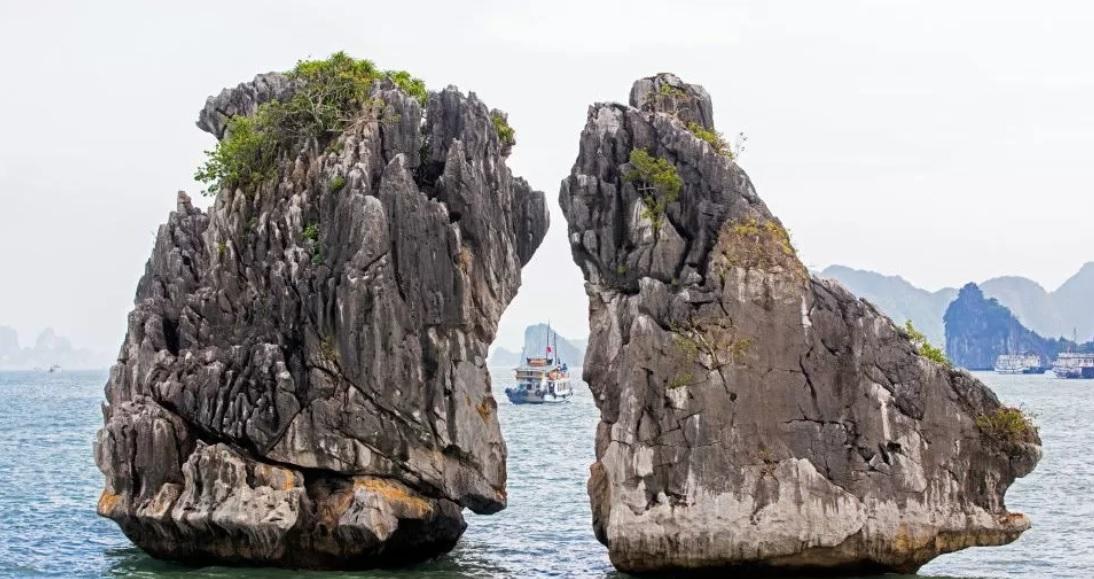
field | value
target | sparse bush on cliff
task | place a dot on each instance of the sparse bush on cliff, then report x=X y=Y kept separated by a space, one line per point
x=330 y=94
x=680 y=380
x=311 y=233
x=412 y=86
x=670 y=98
x=658 y=183
x=717 y=343
x=749 y=243
x=1007 y=425
x=506 y=134
x=739 y=145
x=337 y=183
x=923 y=347
x=712 y=138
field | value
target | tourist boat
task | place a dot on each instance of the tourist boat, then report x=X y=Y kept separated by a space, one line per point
x=1019 y=364
x=1074 y=365
x=541 y=380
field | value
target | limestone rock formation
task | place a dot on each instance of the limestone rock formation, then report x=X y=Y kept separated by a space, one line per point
x=303 y=382
x=752 y=416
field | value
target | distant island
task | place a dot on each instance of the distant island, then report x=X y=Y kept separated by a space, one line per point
x=535 y=343
x=979 y=329
x=49 y=350
x=1061 y=313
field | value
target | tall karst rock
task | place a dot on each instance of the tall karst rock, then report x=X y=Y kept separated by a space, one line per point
x=753 y=416
x=303 y=382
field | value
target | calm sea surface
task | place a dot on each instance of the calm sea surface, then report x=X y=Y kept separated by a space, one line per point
x=49 y=486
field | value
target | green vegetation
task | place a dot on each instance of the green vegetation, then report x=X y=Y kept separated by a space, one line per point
x=222 y=248
x=311 y=233
x=330 y=95
x=748 y=243
x=670 y=97
x=658 y=183
x=244 y=158
x=414 y=87
x=337 y=184
x=1007 y=425
x=713 y=138
x=718 y=341
x=327 y=350
x=667 y=89
x=506 y=134
x=923 y=347
x=781 y=237
x=681 y=380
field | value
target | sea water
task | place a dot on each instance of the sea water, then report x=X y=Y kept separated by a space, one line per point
x=49 y=486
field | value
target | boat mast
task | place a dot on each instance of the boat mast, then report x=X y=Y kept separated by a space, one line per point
x=547 y=354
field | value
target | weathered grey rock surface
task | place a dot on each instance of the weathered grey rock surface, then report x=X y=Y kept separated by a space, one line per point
x=303 y=382
x=753 y=416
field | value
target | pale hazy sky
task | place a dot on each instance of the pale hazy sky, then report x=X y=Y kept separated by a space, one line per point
x=942 y=141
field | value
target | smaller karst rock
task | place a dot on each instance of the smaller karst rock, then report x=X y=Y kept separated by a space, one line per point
x=754 y=418
x=303 y=382
x=980 y=329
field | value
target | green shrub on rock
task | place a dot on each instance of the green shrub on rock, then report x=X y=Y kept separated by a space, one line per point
x=1007 y=425
x=311 y=233
x=506 y=134
x=244 y=158
x=712 y=138
x=658 y=183
x=329 y=95
x=412 y=86
x=925 y=348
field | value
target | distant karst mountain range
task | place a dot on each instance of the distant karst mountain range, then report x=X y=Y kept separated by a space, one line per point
x=1058 y=313
x=48 y=350
x=572 y=351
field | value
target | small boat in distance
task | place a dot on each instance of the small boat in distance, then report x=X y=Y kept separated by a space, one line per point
x=1019 y=364
x=1074 y=365
x=543 y=380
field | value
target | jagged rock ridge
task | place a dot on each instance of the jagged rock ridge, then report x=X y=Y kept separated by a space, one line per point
x=754 y=417
x=303 y=381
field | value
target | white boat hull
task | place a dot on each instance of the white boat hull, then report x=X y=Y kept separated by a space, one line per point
x=521 y=396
